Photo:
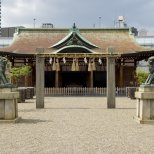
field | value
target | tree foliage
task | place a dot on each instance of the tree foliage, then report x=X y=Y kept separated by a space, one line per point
x=141 y=76
x=17 y=72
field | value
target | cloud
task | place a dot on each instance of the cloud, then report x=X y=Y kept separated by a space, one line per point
x=86 y=13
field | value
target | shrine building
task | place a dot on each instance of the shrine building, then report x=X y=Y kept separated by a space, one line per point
x=77 y=57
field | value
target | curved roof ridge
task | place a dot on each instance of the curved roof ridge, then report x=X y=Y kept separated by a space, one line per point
x=72 y=38
x=61 y=41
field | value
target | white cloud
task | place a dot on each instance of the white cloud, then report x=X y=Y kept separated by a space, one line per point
x=86 y=13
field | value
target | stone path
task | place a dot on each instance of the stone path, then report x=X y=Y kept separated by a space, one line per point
x=77 y=125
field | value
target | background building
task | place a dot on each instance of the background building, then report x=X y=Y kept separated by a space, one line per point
x=7 y=34
x=47 y=25
x=146 y=41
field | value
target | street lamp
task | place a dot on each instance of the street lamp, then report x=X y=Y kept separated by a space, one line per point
x=100 y=18
x=34 y=22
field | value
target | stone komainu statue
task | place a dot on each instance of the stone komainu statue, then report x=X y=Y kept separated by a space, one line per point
x=3 y=79
x=150 y=79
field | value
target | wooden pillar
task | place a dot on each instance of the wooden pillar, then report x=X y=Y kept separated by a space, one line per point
x=121 y=75
x=12 y=60
x=134 y=78
x=25 y=77
x=110 y=82
x=56 y=79
x=30 y=75
x=28 y=78
x=91 y=79
x=26 y=81
x=39 y=82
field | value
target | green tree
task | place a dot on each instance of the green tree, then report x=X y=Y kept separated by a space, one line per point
x=18 y=72
x=141 y=76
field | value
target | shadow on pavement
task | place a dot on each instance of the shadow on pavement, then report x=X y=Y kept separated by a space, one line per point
x=32 y=121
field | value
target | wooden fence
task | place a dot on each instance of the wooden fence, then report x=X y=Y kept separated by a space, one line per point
x=77 y=91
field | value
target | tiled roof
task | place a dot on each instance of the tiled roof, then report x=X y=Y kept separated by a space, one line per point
x=27 y=40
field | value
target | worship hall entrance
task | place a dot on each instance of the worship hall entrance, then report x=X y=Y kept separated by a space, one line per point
x=100 y=79
x=76 y=79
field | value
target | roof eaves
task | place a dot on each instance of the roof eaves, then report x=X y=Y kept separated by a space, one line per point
x=74 y=46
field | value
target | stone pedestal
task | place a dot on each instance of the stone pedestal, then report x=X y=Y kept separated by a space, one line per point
x=145 y=104
x=8 y=105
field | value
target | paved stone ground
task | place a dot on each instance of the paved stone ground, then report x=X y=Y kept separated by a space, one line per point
x=77 y=125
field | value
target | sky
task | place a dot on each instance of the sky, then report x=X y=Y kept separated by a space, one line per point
x=85 y=13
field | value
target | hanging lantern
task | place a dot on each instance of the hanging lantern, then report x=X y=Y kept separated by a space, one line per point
x=50 y=61
x=93 y=65
x=89 y=66
x=73 y=65
x=64 y=60
x=54 y=65
x=85 y=60
x=77 y=65
x=57 y=65
x=100 y=61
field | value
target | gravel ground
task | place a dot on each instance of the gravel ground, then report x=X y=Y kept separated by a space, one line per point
x=77 y=125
